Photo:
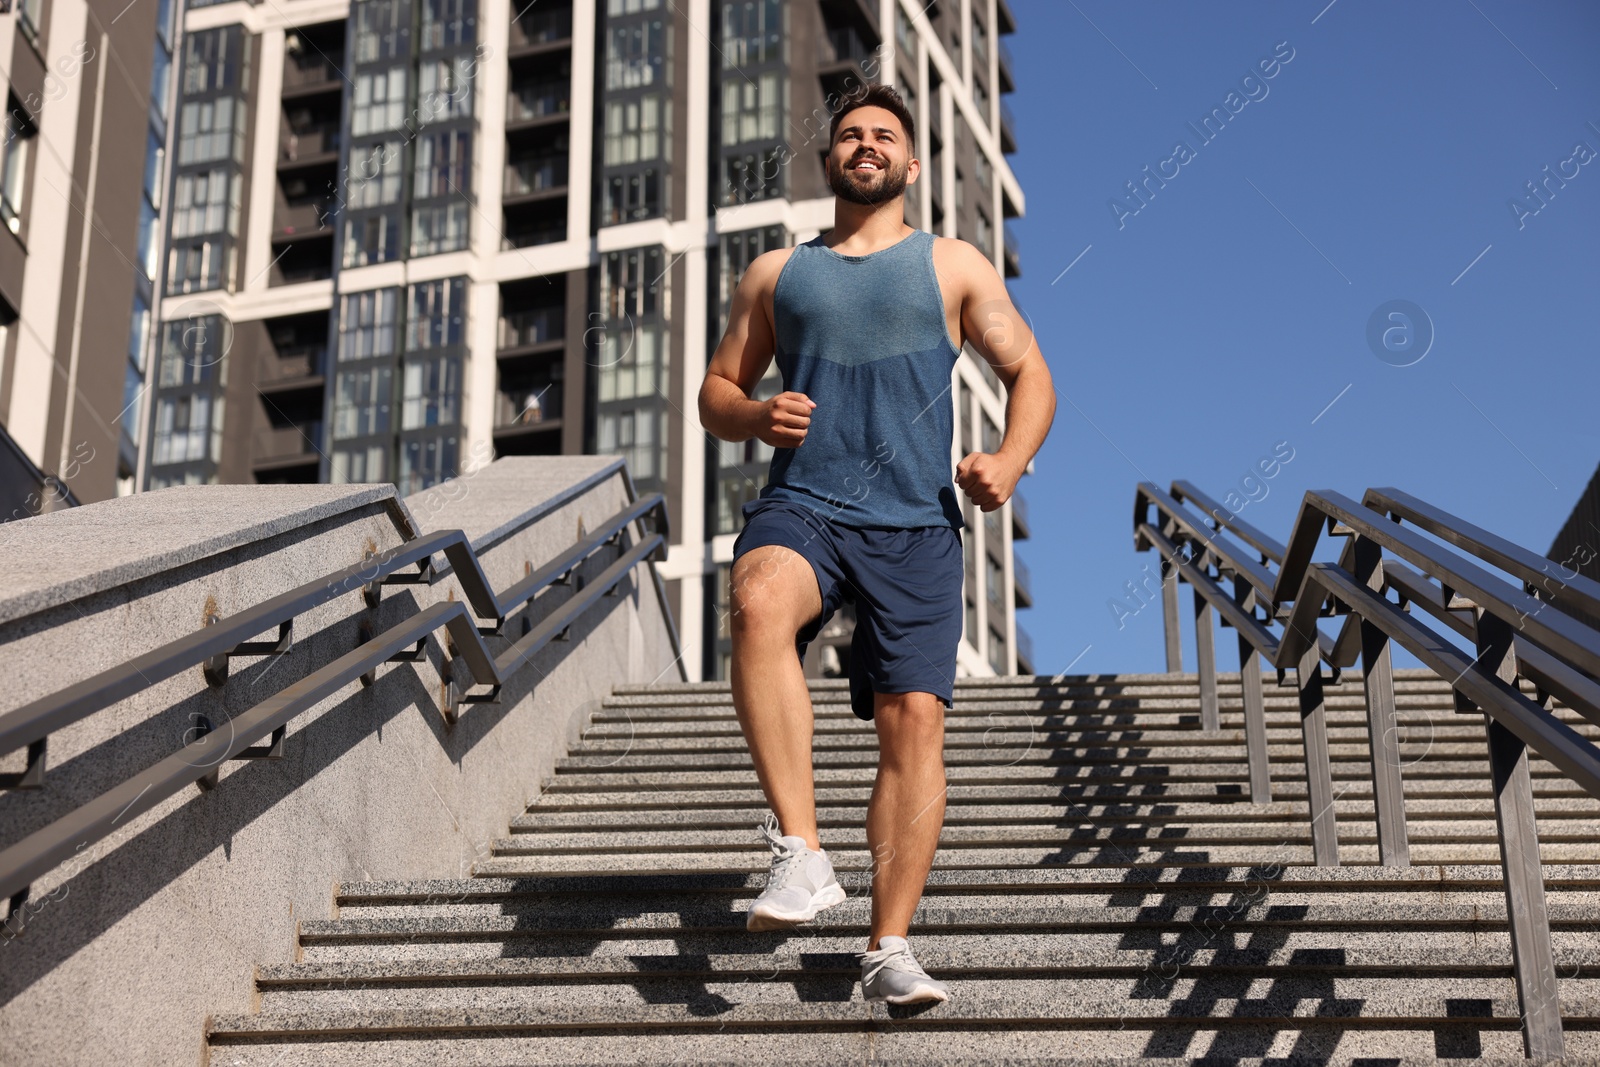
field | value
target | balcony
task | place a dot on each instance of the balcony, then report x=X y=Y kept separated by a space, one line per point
x=292 y=369
x=545 y=101
x=840 y=53
x=306 y=218
x=1019 y=517
x=1024 y=652
x=527 y=418
x=1007 y=22
x=1023 y=582
x=531 y=328
x=535 y=176
x=530 y=406
x=309 y=145
x=1008 y=84
x=1008 y=128
x=310 y=70
x=278 y=447
x=1012 y=252
x=541 y=27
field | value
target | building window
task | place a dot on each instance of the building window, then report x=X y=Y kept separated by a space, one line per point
x=377 y=172
x=361 y=402
x=444 y=89
x=199 y=265
x=980 y=45
x=738 y=251
x=380 y=101
x=633 y=130
x=195 y=352
x=427 y=461
x=201 y=202
x=383 y=30
x=752 y=33
x=444 y=164
x=632 y=363
x=448 y=23
x=439 y=228
x=997 y=651
x=208 y=131
x=630 y=197
x=359 y=464
x=980 y=96
x=371 y=239
x=19 y=131
x=637 y=53
x=633 y=435
x=751 y=176
x=630 y=283
x=435 y=314
x=160 y=82
x=432 y=394
x=367 y=324
x=212 y=60
x=751 y=108
x=188 y=428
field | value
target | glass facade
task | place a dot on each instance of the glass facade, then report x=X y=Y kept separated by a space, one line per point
x=754 y=101
x=202 y=243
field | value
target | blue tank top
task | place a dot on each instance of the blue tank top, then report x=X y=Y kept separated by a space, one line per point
x=865 y=337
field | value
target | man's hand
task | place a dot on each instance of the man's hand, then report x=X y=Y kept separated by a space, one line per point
x=989 y=480
x=782 y=421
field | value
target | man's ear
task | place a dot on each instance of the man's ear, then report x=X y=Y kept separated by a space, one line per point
x=913 y=168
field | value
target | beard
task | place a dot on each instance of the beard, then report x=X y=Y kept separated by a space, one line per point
x=878 y=187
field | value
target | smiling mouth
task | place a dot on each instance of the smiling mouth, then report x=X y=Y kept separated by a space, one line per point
x=868 y=165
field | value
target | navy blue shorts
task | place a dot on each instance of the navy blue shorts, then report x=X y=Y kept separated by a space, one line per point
x=905 y=584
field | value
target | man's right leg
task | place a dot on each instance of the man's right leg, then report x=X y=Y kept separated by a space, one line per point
x=774 y=594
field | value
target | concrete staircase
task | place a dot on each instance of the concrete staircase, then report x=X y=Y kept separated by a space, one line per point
x=1104 y=890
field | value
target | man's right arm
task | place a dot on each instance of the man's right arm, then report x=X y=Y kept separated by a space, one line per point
x=739 y=362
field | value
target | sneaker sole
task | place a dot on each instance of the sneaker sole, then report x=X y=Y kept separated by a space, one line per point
x=772 y=920
x=918 y=994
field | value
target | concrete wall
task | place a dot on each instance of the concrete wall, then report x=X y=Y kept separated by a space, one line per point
x=125 y=949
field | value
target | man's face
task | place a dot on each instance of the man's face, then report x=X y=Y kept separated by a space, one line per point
x=870 y=162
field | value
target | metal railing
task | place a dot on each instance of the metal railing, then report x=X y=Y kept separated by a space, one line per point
x=482 y=615
x=1275 y=596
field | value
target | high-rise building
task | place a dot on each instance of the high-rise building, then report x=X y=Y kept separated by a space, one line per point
x=412 y=234
x=82 y=182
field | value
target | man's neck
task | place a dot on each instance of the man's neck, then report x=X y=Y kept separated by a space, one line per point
x=860 y=229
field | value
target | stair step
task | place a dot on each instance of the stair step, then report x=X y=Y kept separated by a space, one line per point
x=1112 y=854
x=1011 y=813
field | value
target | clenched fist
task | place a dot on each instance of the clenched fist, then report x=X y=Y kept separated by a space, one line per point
x=989 y=480
x=782 y=421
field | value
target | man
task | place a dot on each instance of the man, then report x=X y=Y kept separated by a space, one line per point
x=866 y=322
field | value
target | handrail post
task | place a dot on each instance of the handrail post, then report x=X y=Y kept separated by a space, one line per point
x=1532 y=957
x=1383 y=731
x=1169 y=615
x=1255 y=712
x=1206 y=653
x=1319 y=767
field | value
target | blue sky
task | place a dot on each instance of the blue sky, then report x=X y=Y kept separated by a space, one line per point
x=1226 y=315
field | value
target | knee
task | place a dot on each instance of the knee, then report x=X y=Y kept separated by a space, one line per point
x=909 y=724
x=755 y=611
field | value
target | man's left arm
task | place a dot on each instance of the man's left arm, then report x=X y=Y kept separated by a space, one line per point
x=991 y=324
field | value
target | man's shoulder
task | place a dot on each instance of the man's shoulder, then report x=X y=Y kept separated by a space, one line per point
x=957 y=253
x=766 y=267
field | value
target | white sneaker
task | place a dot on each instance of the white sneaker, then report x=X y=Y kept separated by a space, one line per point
x=890 y=974
x=800 y=884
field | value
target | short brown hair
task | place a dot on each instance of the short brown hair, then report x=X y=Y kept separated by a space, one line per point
x=884 y=96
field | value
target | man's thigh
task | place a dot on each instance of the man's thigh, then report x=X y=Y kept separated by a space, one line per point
x=909 y=613
x=785 y=574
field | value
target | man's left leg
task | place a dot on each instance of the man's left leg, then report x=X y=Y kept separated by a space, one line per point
x=906 y=812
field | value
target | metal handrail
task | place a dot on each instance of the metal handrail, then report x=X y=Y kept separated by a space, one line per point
x=1518 y=633
x=197 y=761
